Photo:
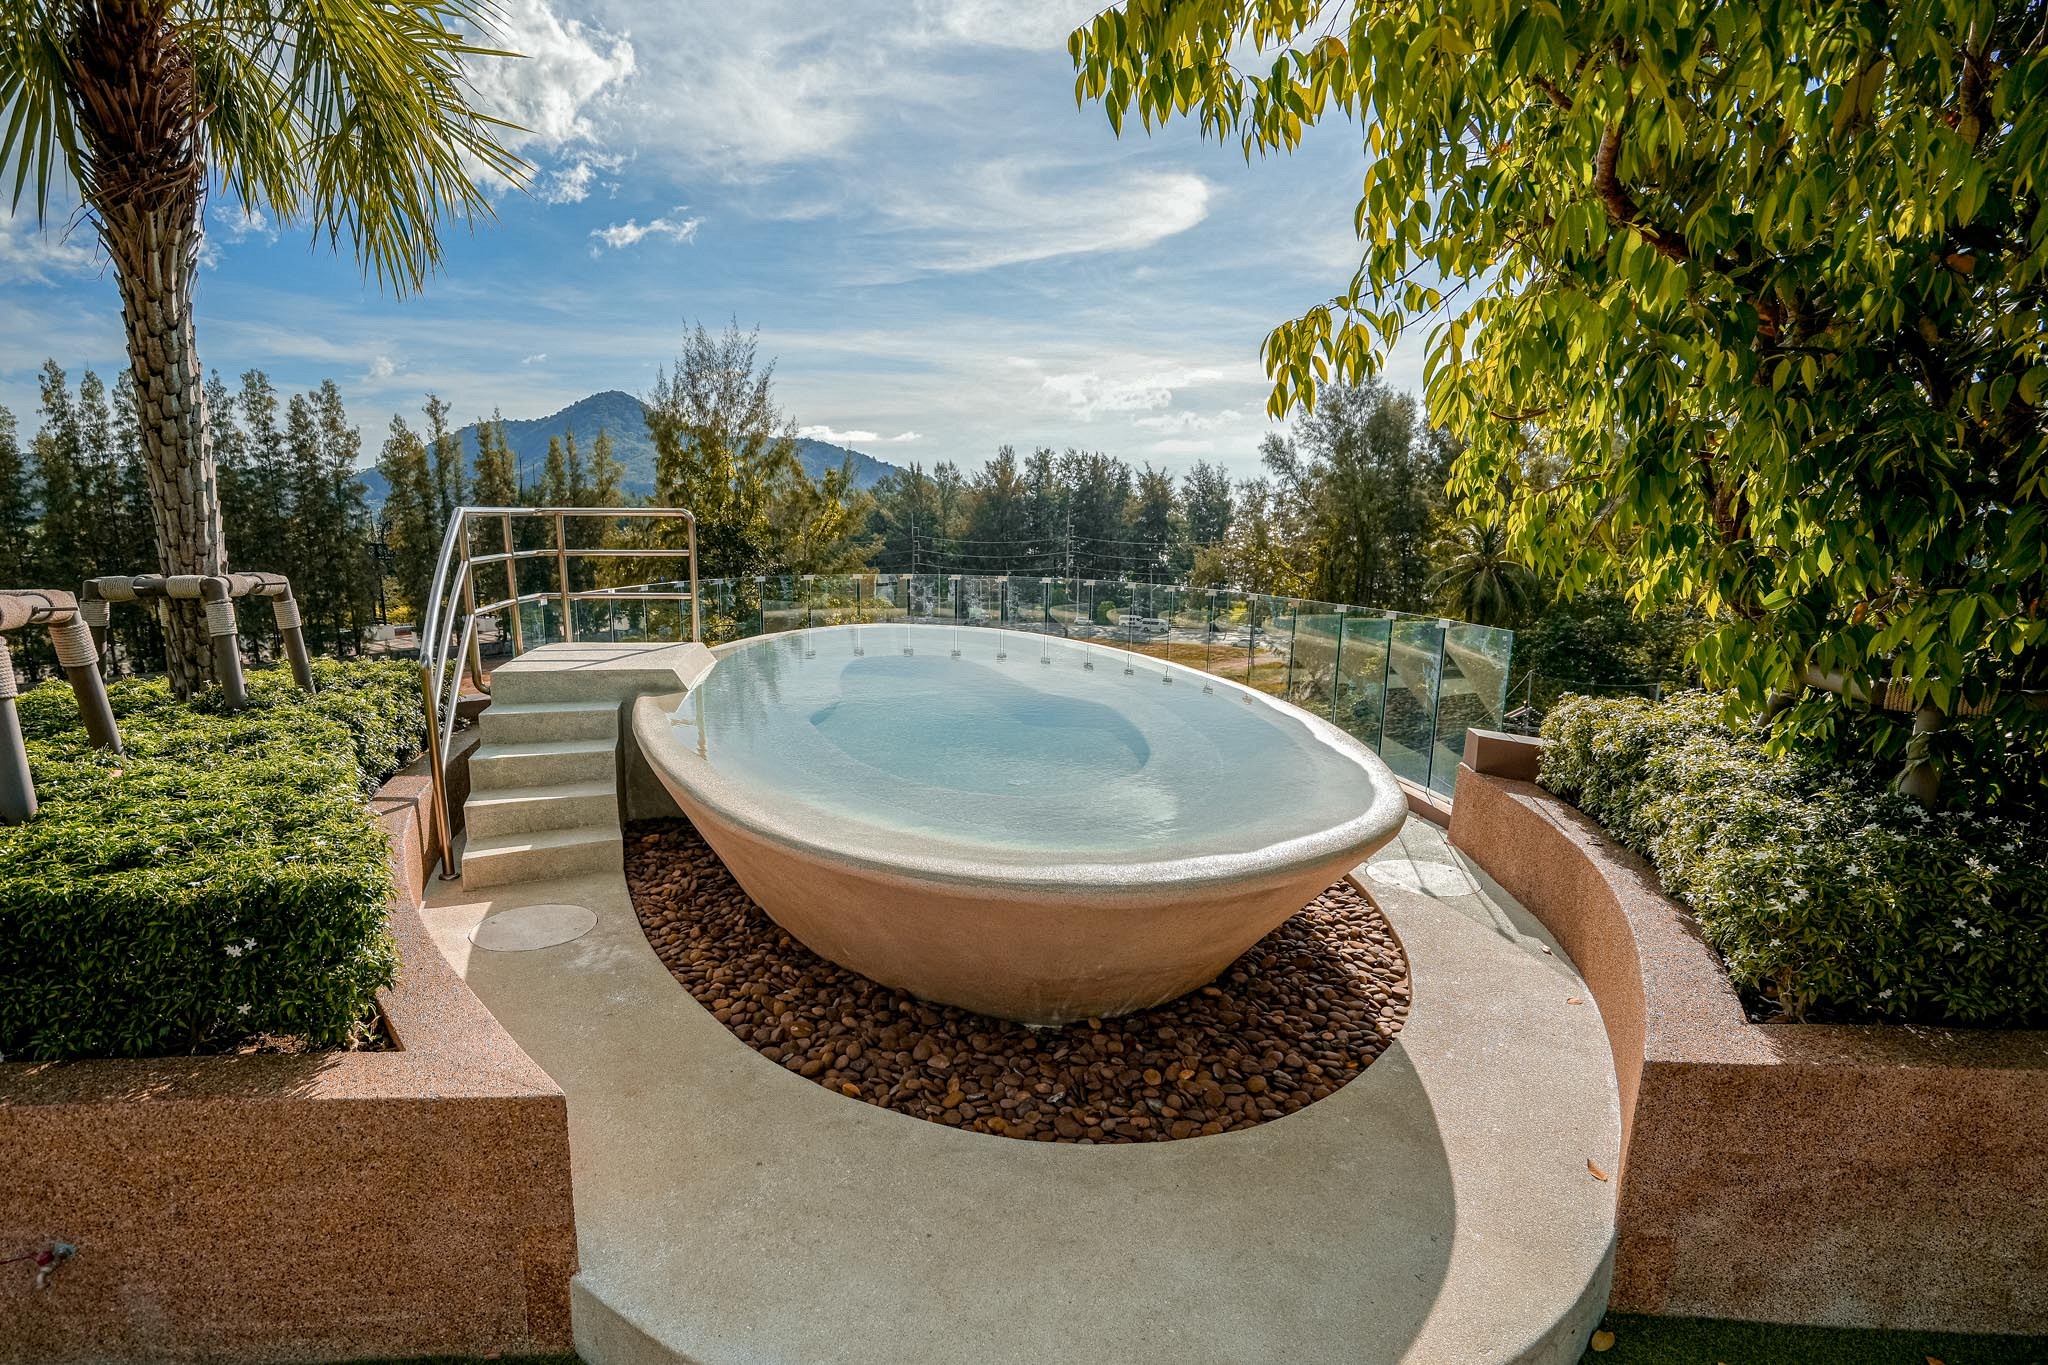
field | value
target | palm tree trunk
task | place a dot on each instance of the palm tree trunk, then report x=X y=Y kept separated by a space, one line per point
x=141 y=128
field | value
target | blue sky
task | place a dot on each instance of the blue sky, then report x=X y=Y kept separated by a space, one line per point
x=942 y=252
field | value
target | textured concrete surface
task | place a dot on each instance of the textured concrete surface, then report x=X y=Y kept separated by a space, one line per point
x=1839 y=1175
x=321 y=1207
x=1437 y=1209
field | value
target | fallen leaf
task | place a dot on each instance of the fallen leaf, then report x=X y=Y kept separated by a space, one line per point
x=1603 y=1341
x=1934 y=1360
x=1574 y=1000
x=1598 y=1174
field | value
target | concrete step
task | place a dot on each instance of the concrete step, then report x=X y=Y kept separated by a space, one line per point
x=543 y=721
x=523 y=810
x=543 y=763
x=588 y=671
x=501 y=859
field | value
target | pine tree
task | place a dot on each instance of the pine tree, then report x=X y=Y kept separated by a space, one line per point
x=350 y=571
x=554 y=478
x=410 y=521
x=261 y=534
x=497 y=477
x=64 y=536
x=17 y=509
x=98 y=481
x=137 y=632
x=607 y=475
x=445 y=446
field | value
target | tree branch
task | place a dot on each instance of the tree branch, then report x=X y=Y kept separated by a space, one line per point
x=1621 y=205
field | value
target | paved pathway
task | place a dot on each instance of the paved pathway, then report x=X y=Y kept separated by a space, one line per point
x=1437 y=1209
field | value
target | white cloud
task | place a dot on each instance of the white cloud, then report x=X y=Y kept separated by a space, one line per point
x=1189 y=421
x=1088 y=393
x=1014 y=211
x=535 y=359
x=238 y=223
x=834 y=436
x=1030 y=24
x=632 y=232
x=382 y=367
x=565 y=70
x=570 y=183
x=34 y=254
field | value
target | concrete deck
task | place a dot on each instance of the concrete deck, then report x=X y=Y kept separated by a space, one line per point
x=1437 y=1209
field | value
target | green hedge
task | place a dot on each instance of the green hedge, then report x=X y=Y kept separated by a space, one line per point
x=1827 y=895
x=220 y=878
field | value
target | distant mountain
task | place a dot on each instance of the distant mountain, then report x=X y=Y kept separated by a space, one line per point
x=625 y=418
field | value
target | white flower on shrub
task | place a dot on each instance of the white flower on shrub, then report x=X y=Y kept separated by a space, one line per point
x=242 y=1008
x=234 y=950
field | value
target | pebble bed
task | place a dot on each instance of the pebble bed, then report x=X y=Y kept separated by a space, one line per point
x=1303 y=1011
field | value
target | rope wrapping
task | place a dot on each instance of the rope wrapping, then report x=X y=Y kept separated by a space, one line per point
x=184 y=586
x=115 y=589
x=220 y=618
x=95 y=612
x=9 y=688
x=287 y=611
x=73 y=640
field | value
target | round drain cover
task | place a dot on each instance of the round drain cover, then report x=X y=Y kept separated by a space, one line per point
x=1423 y=878
x=532 y=926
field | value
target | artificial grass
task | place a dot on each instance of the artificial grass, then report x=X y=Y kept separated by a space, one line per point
x=1703 y=1341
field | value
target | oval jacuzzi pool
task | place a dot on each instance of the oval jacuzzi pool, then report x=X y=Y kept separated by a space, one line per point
x=1023 y=825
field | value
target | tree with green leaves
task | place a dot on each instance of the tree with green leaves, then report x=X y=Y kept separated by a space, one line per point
x=496 y=482
x=1480 y=580
x=65 y=536
x=1206 y=502
x=1768 y=277
x=554 y=476
x=351 y=117
x=720 y=446
x=17 y=509
x=411 y=517
x=1359 y=490
x=607 y=487
x=446 y=456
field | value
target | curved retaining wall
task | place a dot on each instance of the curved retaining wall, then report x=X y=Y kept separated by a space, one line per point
x=274 y=1208
x=1847 y=1175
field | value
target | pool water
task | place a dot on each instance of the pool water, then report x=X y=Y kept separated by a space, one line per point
x=1017 y=746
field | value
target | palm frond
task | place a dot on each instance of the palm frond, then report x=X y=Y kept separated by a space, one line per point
x=352 y=117
x=40 y=139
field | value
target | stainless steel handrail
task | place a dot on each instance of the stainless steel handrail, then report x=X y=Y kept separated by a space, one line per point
x=453 y=599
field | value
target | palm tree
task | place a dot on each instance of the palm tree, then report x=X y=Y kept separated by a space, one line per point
x=1479 y=581
x=350 y=117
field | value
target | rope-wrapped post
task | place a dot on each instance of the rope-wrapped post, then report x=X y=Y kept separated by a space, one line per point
x=215 y=593
x=285 y=608
x=17 y=786
x=80 y=659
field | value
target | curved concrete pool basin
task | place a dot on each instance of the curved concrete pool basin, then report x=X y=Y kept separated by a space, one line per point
x=1021 y=825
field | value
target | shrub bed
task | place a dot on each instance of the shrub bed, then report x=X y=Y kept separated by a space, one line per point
x=221 y=878
x=1828 y=896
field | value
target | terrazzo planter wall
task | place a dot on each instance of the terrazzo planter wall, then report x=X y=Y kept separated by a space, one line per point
x=273 y=1208
x=1843 y=1175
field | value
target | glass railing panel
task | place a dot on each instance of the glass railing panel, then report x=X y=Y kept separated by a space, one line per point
x=783 y=604
x=1312 y=661
x=1473 y=693
x=1360 y=704
x=834 y=599
x=1415 y=650
x=1268 y=641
